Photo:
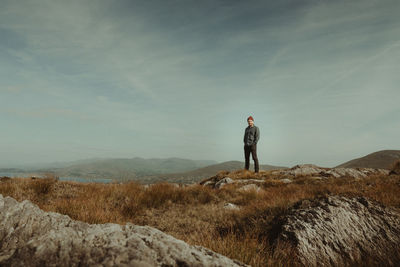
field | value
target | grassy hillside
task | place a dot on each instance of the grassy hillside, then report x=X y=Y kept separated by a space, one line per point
x=201 y=173
x=196 y=214
x=379 y=160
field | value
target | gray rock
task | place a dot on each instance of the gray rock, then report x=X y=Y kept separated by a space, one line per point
x=286 y=180
x=300 y=170
x=305 y=169
x=250 y=187
x=347 y=172
x=209 y=183
x=32 y=237
x=230 y=206
x=355 y=173
x=221 y=183
x=336 y=230
x=313 y=170
x=259 y=181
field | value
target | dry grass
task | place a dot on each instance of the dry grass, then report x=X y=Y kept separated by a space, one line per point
x=195 y=213
x=395 y=169
x=396 y=165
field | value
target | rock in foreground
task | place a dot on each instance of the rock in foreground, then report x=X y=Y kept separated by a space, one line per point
x=337 y=231
x=32 y=237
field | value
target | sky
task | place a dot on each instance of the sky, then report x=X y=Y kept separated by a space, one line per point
x=178 y=78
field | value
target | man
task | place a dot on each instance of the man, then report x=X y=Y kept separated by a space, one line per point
x=251 y=137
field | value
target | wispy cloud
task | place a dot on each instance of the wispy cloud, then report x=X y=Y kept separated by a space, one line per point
x=181 y=76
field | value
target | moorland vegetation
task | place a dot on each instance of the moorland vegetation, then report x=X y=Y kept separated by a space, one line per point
x=196 y=213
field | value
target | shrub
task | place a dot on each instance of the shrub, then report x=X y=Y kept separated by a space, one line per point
x=199 y=194
x=5 y=179
x=7 y=188
x=159 y=195
x=42 y=186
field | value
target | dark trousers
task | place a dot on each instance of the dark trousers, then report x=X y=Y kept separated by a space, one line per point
x=253 y=150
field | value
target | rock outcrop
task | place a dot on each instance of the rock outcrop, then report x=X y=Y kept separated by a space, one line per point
x=32 y=237
x=337 y=231
x=221 y=183
x=249 y=188
x=231 y=206
x=287 y=176
x=315 y=171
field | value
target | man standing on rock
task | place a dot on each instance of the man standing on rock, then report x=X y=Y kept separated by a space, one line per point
x=251 y=137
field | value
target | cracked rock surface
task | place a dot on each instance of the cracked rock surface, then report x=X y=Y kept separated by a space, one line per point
x=335 y=230
x=314 y=170
x=32 y=237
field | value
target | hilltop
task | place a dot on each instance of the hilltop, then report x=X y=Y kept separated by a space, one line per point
x=379 y=160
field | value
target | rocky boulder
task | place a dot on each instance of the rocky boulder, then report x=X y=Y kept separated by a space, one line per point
x=315 y=171
x=250 y=188
x=305 y=170
x=221 y=183
x=338 y=231
x=230 y=206
x=251 y=181
x=32 y=237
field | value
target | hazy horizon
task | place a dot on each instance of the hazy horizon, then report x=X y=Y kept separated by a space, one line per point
x=48 y=163
x=159 y=79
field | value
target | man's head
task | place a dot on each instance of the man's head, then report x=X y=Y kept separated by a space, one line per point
x=250 y=121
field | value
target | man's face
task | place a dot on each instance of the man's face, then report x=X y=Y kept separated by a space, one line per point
x=250 y=122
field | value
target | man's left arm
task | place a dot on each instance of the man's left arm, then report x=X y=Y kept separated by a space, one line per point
x=257 y=135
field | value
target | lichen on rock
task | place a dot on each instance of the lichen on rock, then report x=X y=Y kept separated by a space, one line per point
x=32 y=237
x=336 y=230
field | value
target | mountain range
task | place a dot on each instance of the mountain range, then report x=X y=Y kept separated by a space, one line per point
x=175 y=170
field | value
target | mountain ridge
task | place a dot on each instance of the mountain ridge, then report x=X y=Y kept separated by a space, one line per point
x=205 y=172
x=383 y=159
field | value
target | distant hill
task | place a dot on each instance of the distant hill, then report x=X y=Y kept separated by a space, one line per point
x=201 y=173
x=379 y=160
x=127 y=169
x=174 y=170
x=12 y=172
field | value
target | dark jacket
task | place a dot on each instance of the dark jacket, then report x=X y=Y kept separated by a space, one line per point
x=251 y=135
